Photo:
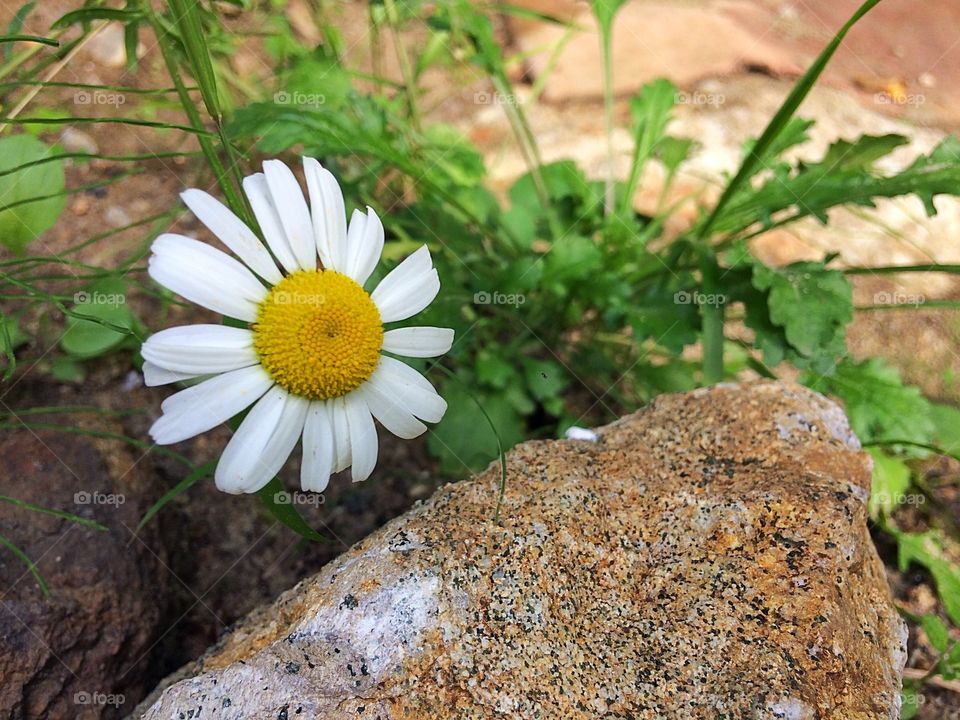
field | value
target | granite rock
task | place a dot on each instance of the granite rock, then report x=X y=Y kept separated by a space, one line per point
x=707 y=557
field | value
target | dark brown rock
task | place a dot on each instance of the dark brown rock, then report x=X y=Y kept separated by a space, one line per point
x=80 y=652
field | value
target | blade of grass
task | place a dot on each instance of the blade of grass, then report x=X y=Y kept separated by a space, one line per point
x=22 y=556
x=712 y=315
x=29 y=38
x=203 y=471
x=55 y=513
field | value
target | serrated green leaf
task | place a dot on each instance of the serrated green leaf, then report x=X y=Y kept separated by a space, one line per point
x=845 y=176
x=811 y=303
x=880 y=407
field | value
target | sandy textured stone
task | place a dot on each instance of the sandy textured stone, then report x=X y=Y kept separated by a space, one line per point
x=708 y=557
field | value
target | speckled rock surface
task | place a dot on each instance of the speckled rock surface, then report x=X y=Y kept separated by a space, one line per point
x=708 y=557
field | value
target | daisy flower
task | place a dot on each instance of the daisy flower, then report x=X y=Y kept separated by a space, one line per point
x=310 y=361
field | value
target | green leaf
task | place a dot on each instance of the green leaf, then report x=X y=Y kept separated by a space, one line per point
x=67 y=369
x=946 y=421
x=798 y=312
x=462 y=441
x=845 y=176
x=571 y=258
x=811 y=303
x=546 y=379
x=936 y=631
x=650 y=111
x=192 y=478
x=89 y=14
x=910 y=703
x=494 y=370
x=16 y=25
x=29 y=218
x=926 y=550
x=781 y=120
x=102 y=320
x=879 y=405
x=271 y=495
x=891 y=480
x=605 y=11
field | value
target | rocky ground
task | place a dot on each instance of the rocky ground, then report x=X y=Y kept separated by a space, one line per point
x=208 y=559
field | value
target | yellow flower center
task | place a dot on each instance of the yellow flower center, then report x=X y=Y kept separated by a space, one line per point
x=318 y=334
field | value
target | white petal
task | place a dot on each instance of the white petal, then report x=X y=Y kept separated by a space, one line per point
x=262 y=443
x=233 y=233
x=337 y=414
x=204 y=406
x=391 y=414
x=420 y=342
x=258 y=193
x=293 y=211
x=408 y=288
x=317 y=449
x=200 y=349
x=363 y=437
x=364 y=245
x=205 y=276
x=328 y=213
x=408 y=388
x=154 y=375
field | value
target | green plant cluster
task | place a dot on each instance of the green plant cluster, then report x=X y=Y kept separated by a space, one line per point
x=569 y=306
